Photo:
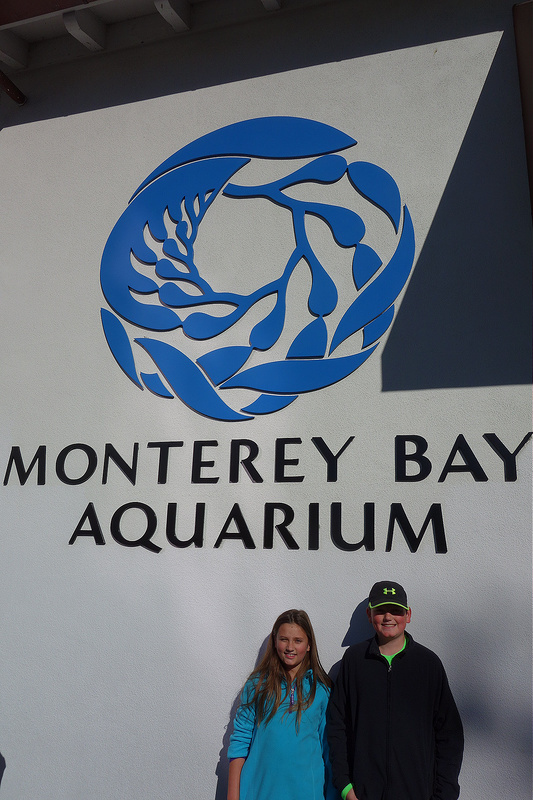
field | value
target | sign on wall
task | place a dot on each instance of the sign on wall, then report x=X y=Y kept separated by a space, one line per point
x=195 y=434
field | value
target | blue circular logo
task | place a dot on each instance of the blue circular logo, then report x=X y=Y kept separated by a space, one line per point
x=159 y=303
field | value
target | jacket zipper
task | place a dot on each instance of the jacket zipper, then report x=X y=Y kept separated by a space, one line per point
x=387 y=740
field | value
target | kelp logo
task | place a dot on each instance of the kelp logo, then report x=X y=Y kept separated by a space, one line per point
x=152 y=283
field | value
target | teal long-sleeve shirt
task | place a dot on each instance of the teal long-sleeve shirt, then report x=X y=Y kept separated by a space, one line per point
x=281 y=761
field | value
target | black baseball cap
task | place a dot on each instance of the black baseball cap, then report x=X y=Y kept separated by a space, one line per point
x=387 y=593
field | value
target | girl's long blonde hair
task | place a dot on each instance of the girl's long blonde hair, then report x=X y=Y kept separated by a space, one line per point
x=269 y=675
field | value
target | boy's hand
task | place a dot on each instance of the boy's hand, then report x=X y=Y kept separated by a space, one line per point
x=351 y=795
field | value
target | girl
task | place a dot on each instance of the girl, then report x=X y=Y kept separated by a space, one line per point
x=278 y=747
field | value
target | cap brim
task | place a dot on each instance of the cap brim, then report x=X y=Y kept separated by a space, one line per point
x=388 y=603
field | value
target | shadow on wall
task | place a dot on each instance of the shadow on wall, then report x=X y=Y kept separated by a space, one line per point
x=358 y=630
x=499 y=727
x=466 y=317
x=221 y=770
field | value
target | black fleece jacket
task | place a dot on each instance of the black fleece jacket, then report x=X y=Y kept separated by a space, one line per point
x=394 y=733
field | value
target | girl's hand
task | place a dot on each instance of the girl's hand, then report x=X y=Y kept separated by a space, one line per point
x=351 y=795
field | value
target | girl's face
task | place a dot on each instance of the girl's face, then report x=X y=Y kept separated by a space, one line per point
x=292 y=645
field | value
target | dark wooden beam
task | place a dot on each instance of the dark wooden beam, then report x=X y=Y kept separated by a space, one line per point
x=20 y=10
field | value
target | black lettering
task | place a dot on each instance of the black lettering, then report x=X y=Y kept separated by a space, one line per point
x=129 y=470
x=164 y=452
x=368 y=540
x=198 y=464
x=280 y=462
x=242 y=532
x=94 y=530
x=92 y=461
x=281 y=527
x=329 y=457
x=151 y=525
x=508 y=458
x=197 y=539
x=235 y=460
x=15 y=458
x=313 y=527
x=434 y=516
x=471 y=464
x=401 y=457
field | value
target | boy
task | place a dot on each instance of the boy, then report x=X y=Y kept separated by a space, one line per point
x=393 y=727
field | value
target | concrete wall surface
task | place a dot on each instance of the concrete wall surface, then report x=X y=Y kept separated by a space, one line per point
x=143 y=563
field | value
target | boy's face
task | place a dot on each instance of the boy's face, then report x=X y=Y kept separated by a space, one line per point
x=389 y=622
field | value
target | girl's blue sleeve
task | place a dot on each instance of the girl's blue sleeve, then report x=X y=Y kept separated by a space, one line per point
x=243 y=726
x=330 y=792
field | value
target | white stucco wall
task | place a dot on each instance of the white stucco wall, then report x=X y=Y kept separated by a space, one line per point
x=120 y=667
